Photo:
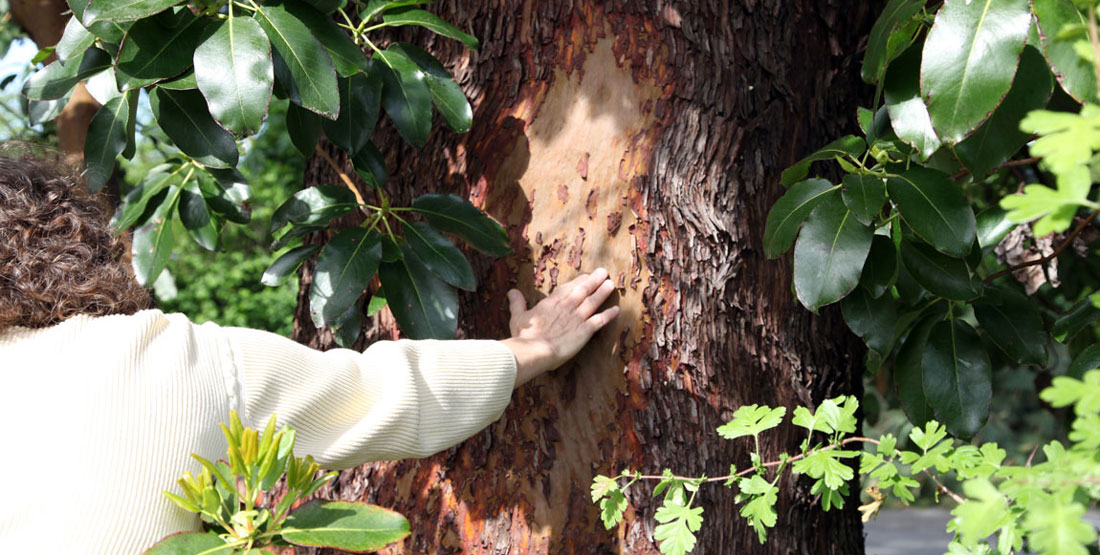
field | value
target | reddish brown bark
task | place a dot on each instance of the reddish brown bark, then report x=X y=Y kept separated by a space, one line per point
x=646 y=137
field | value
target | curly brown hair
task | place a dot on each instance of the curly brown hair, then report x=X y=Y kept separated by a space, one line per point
x=58 y=254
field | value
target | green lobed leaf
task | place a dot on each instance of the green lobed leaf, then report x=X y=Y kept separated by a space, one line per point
x=307 y=61
x=1076 y=75
x=829 y=254
x=1056 y=525
x=123 y=10
x=935 y=209
x=196 y=218
x=983 y=513
x=58 y=79
x=447 y=96
x=346 y=56
x=439 y=255
x=999 y=138
x=612 y=507
x=970 y=57
x=677 y=528
x=347 y=526
x=872 y=320
x=1083 y=394
x=1015 y=326
x=826 y=465
x=360 y=95
x=191 y=543
x=427 y=20
x=304 y=128
x=405 y=96
x=759 y=511
x=957 y=377
x=864 y=195
x=452 y=214
x=425 y=306
x=287 y=264
x=314 y=206
x=234 y=71
x=881 y=269
x=750 y=420
x=788 y=213
x=908 y=114
x=940 y=274
x=106 y=139
x=909 y=373
x=344 y=269
x=184 y=117
x=892 y=20
x=74 y=40
x=153 y=241
x=152 y=51
x=849 y=145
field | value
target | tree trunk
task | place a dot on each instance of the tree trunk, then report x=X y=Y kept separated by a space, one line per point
x=646 y=137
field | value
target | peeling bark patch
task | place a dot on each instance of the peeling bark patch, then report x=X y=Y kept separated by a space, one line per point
x=590 y=204
x=614 y=219
x=582 y=164
x=563 y=193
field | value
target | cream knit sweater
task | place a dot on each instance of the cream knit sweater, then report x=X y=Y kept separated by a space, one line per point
x=99 y=415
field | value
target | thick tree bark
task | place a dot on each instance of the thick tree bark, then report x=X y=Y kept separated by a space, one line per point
x=646 y=137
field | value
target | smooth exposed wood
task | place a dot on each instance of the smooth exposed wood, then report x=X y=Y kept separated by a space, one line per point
x=646 y=137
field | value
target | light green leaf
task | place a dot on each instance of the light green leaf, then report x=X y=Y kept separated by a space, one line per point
x=750 y=420
x=829 y=254
x=307 y=61
x=826 y=465
x=935 y=208
x=612 y=507
x=1057 y=526
x=788 y=213
x=849 y=145
x=428 y=20
x=908 y=114
x=1066 y=140
x=378 y=300
x=348 y=526
x=1084 y=394
x=603 y=485
x=344 y=269
x=981 y=515
x=234 y=71
x=677 y=528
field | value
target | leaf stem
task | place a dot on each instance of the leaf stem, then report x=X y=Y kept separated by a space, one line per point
x=343 y=177
x=1069 y=239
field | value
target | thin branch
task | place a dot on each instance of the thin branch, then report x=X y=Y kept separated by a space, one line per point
x=1009 y=164
x=1065 y=244
x=944 y=489
x=343 y=177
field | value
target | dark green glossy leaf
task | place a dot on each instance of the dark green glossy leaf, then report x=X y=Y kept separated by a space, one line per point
x=970 y=57
x=935 y=208
x=1015 y=326
x=41 y=111
x=909 y=291
x=405 y=96
x=196 y=216
x=191 y=543
x=183 y=116
x=440 y=255
x=57 y=79
x=1076 y=75
x=908 y=114
x=306 y=59
x=153 y=241
x=390 y=251
x=427 y=20
x=226 y=193
x=346 y=56
x=456 y=215
x=135 y=203
x=360 y=95
x=957 y=377
x=287 y=264
x=788 y=213
x=845 y=146
x=123 y=10
x=829 y=254
x=234 y=71
x=1089 y=359
x=315 y=206
x=993 y=225
x=349 y=526
x=106 y=139
x=183 y=83
x=871 y=319
x=326 y=6
x=74 y=41
x=376 y=7
x=151 y=52
x=943 y=275
x=892 y=19
x=348 y=326
x=370 y=165
x=1000 y=137
x=131 y=126
x=304 y=128
x=881 y=269
x=425 y=306
x=864 y=195
x=109 y=32
x=908 y=372
x=1074 y=320
x=344 y=268
x=447 y=96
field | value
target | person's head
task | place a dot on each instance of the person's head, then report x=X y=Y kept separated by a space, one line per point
x=58 y=255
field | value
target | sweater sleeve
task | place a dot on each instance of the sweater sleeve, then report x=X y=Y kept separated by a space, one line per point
x=397 y=399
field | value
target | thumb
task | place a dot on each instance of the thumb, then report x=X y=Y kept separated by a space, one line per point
x=516 y=303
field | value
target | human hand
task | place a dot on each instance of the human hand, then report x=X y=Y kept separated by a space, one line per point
x=555 y=329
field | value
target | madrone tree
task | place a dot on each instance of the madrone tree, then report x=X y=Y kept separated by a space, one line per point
x=645 y=137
